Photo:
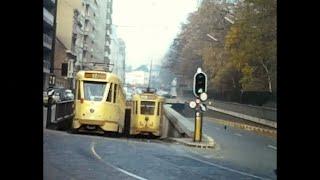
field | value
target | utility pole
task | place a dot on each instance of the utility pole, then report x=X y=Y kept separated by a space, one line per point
x=150 y=75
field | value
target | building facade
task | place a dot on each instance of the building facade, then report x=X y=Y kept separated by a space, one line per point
x=65 y=42
x=49 y=7
x=107 y=42
x=92 y=42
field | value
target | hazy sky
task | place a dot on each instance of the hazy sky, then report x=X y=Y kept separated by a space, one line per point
x=149 y=26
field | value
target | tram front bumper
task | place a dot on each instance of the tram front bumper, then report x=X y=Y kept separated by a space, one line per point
x=104 y=125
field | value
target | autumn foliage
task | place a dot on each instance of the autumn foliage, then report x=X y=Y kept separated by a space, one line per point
x=237 y=55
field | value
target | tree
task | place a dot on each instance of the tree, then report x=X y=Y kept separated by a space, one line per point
x=251 y=42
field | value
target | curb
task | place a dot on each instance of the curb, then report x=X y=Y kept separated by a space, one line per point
x=246 y=127
x=209 y=142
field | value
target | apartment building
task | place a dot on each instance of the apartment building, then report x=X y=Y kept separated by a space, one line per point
x=49 y=7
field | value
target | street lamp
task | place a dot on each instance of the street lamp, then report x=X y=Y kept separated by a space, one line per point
x=212 y=37
x=229 y=20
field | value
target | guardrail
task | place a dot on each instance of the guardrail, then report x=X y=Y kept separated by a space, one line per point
x=60 y=115
x=247 y=110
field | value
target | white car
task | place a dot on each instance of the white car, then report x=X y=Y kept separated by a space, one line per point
x=69 y=94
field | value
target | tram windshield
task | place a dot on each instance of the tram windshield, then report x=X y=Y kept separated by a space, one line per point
x=147 y=107
x=93 y=91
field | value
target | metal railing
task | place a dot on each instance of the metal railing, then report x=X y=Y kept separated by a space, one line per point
x=60 y=115
x=64 y=110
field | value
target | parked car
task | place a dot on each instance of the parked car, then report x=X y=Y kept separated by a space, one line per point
x=60 y=94
x=69 y=95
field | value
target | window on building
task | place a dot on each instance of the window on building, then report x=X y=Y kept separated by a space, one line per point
x=84 y=54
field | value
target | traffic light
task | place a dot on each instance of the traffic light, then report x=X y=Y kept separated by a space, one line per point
x=199 y=83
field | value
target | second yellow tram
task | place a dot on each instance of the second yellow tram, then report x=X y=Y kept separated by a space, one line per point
x=146 y=114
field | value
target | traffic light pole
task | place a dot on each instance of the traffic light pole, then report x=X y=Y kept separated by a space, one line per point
x=199 y=91
x=197 y=137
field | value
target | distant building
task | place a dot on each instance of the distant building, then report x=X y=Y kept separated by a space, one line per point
x=140 y=76
x=137 y=78
x=49 y=7
x=117 y=56
x=122 y=59
x=108 y=31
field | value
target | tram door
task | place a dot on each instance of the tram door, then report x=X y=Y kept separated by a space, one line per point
x=127 y=122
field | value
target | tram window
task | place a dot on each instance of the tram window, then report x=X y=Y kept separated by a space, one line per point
x=93 y=91
x=109 y=93
x=158 y=111
x=79 y=95
x=147 y=107
x=115 y=93
x=136 y=107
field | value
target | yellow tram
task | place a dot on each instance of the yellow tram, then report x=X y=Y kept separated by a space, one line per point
x=99 y=102
x=146 y=114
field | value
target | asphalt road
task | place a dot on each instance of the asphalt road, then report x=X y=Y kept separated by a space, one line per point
x=253 y=152
x=69 y=156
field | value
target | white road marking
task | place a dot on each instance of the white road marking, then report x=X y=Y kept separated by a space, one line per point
x=237 y=134
x=115 y=167
x=226 y=168
x=272 y=147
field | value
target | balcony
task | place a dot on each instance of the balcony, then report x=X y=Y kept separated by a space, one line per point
x=47 y=41
x=47 y=16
